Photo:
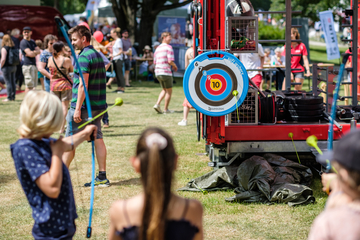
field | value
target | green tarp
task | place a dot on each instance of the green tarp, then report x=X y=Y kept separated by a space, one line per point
x=266 y=179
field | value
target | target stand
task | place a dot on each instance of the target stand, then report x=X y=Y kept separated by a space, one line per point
x=210 y=80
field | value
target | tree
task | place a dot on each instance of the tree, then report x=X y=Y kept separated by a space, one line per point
x=310 y=8
x=125 y=12
x=66 y=6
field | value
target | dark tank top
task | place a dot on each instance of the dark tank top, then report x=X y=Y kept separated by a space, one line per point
x=175 y=229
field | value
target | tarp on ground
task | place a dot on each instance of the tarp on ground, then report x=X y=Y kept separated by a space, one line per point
x=266 y=179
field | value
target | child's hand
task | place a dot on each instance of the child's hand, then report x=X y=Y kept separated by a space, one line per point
x=328 y=181
x=90 y=130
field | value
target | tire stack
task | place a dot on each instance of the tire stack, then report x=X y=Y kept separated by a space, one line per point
x=303 y=108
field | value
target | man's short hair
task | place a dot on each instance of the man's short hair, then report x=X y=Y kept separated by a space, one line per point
x=82 y=31
x=165 y=34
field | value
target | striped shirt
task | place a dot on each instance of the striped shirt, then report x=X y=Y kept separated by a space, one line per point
x=91 y=62
x=163 y=54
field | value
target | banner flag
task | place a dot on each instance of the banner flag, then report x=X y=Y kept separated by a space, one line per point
x=327 y=24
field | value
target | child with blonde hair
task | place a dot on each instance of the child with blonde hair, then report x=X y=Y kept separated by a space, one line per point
x=38 y=162
x=156 y=213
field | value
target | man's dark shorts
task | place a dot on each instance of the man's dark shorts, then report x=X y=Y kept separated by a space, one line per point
x=127 y=64
x=165 y=81
x=72 y=126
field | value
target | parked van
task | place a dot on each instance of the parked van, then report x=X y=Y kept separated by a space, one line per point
x=39 y=18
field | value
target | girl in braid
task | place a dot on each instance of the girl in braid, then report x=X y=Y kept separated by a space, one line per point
x=156 y=213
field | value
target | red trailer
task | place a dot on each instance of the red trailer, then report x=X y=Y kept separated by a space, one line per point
x=39 y=18
x=278 y=122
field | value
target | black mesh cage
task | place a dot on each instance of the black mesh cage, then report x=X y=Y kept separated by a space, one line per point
x=242 y=34
x=247 y=112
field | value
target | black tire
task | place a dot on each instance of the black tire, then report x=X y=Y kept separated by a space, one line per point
x=292 y=106
x=308 y=100
x=306 y=118
x=305 y=113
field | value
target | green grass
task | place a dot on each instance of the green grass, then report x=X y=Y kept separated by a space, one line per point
x=318 y=54
x=222 y=220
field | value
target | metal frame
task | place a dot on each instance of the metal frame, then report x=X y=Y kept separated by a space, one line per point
x=264 y=137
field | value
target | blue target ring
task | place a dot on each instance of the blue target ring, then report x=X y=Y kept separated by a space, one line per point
x=211 y=78
x=211 y=96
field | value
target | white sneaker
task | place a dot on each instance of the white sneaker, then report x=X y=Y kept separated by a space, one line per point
x=157 y=108
x=168 y=111
x=182 y=123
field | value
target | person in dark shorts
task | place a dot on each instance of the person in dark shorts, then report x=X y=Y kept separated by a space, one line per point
x=164 y=60
x=93 y=69
x=127 y=55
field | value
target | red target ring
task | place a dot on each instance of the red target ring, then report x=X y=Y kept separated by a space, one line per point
x=215 y=84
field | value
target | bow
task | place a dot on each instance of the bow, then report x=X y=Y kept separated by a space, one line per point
x=88 y=106
x=333 y=108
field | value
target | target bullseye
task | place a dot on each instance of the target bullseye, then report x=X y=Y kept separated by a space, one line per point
x=215 y=84
x=210 y=80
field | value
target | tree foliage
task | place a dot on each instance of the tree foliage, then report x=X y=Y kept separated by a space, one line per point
x=66 y=6
x=310 y=8
x=125 y=11
x=261 y=4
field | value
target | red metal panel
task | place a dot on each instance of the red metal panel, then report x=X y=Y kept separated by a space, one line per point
x=279 y=132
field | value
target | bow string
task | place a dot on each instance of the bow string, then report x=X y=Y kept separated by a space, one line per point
x=88 y=107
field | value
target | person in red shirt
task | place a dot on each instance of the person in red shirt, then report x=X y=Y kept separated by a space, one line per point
x=298 y=48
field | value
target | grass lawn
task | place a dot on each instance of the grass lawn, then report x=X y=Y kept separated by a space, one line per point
x=221 y=220
x=318 y=55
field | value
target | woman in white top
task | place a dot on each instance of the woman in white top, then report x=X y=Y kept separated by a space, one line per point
x=118 y=58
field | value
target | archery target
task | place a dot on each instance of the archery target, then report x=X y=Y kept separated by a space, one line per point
x=209 y=82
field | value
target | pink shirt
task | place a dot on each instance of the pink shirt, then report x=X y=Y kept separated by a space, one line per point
x=338 y=223
x=163 y=54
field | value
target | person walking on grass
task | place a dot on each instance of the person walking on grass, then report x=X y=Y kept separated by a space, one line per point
x=93 y=69
x=40 y=168
x=118 y=59
x=127 y=55
x=189 y=56
x=156 y=213
x=8 y=69
x=29 y=52
x=164 y=60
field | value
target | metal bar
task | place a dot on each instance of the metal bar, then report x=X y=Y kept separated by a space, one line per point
x=288 y=45
x=314 y=80
x=346 y=40
x=278 y=40
x=296 y=26
x=277 y=12
x=221 y=164
x=327 y=90
x=204 y=22
x=347 y=25
x=355 y=51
